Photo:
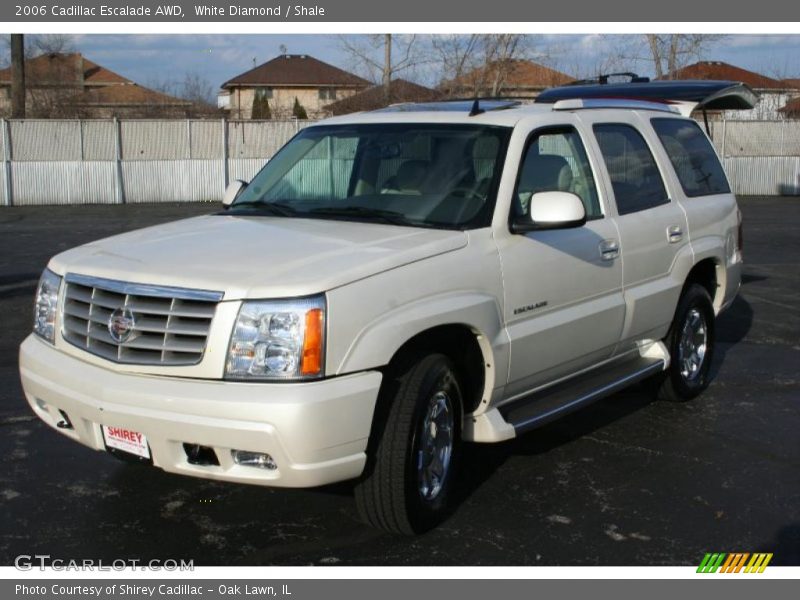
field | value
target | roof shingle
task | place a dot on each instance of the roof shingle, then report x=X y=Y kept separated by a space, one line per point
x=519 y=74
x=64 y=69
x=374 y=98
x=714 y=69
x=296 y=70
x=127 y=95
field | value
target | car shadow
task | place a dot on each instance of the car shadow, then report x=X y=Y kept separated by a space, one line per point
x=485 y=459
x=732 y=327
x=785 y=547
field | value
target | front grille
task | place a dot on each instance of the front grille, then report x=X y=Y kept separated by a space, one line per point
x=162 y=325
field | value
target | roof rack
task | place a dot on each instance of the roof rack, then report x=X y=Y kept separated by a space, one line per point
x=589 y=103
x=603 y=79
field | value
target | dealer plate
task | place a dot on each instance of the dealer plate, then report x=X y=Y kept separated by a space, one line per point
x=126 y=440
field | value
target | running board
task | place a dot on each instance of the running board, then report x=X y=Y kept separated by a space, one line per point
x=548 y=405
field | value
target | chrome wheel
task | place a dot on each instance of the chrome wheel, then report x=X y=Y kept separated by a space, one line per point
x=435 y=446
x=692 y=345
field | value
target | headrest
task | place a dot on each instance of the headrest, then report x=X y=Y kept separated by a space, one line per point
x=545 y=173
x=411 y=174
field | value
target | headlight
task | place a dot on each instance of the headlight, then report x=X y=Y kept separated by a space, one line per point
x=46 y=305
x=278 y=339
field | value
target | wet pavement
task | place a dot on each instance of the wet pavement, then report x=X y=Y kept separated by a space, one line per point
x=627 y=481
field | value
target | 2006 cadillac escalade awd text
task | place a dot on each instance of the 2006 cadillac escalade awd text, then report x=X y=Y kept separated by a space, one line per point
x=392 y=284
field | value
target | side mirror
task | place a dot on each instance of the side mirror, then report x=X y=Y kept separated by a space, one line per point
x=235 y=188
x=551 y=210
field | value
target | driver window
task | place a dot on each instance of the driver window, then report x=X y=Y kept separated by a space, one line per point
x=556 y=161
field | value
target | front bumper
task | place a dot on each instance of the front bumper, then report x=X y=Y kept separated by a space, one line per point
x=315 y=431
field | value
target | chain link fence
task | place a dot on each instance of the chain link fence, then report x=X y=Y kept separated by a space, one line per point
x=133 y=161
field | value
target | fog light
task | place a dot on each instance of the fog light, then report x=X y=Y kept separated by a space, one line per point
x=253 y=459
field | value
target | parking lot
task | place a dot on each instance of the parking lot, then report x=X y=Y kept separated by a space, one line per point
x=627 y=481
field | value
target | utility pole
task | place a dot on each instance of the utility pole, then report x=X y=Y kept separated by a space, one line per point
x=17 y=76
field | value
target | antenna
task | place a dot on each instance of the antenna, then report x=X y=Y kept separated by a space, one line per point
x=476 y=109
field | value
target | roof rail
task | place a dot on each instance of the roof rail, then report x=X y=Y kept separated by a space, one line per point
x=588 y=103
x=471 y=106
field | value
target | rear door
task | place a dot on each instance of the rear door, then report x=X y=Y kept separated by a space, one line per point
x=652 y=225
x=703 y=191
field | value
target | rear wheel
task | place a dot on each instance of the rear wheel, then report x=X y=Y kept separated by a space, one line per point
x=408 y=482
x=691 y=347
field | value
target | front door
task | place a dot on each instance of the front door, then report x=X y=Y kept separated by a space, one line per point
x=564 y=307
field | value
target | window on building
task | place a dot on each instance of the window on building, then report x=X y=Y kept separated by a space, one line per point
x=327 y=93
x=264 y=93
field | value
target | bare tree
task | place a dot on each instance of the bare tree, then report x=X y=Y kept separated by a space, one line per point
x=55 y=43
x=456 y=54
x=671 y=52
x=196 y=89
x=193 y=87
x=500 y=50
x=480 y=64
x=36 y=45
x=381 y=58
x=610 y=53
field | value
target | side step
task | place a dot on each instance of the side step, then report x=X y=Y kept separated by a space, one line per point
x=552 y=403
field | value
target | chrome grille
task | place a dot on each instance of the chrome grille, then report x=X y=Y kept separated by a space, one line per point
x=170 y=325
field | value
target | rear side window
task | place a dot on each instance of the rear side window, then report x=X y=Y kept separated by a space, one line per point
x=633 y=171
x=692 y=156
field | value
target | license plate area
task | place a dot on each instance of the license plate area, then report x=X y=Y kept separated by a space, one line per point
x=127 y=444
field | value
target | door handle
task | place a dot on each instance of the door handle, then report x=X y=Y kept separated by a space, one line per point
x=609 y=249
x=674 y=234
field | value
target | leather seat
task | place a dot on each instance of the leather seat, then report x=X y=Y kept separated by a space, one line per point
x=409 y=178
x=543 y=173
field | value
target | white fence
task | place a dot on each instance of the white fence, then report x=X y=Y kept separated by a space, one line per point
x=134 y=161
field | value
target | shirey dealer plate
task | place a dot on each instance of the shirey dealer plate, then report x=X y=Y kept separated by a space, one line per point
x=126 y=440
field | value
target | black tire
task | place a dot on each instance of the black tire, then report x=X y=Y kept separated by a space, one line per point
x=390 y=495
x=686 y=378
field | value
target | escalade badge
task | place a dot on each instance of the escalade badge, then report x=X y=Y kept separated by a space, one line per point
x=121 y=324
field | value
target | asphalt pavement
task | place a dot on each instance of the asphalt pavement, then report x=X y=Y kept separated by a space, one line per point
x=627 y=481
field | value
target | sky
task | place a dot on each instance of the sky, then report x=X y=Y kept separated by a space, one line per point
x=159 y=59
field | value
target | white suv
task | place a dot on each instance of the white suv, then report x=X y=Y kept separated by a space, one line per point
x=391 y=284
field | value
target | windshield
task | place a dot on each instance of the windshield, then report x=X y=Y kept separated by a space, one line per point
x=406 y=174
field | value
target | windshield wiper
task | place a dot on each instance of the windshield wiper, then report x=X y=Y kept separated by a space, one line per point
x=369 y=214
x=270 y=208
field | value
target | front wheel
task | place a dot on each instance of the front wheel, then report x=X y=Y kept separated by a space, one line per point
x=691 y=347
x=408 y=482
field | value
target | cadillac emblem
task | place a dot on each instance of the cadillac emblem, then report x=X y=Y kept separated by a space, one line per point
x=121 y=324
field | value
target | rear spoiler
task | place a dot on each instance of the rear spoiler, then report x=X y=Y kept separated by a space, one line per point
x=686 y=95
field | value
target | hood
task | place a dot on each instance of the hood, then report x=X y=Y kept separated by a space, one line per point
x=256 y=256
